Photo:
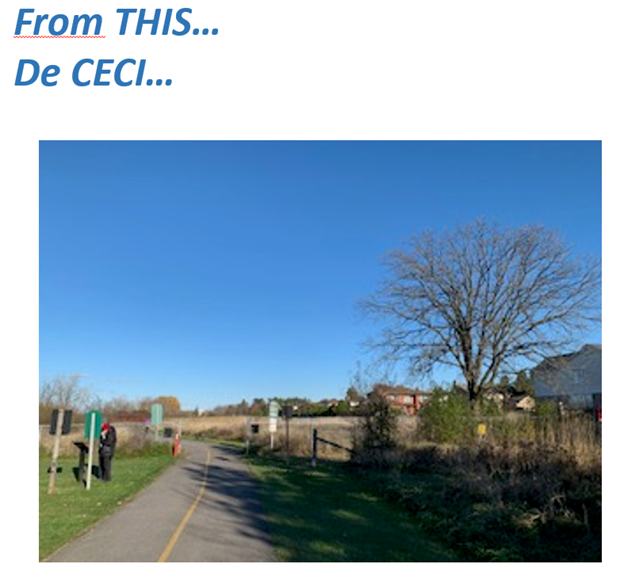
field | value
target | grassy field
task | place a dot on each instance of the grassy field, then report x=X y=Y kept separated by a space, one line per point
x=528 y=501
x=433 y=506
x=327 y=514
x=234 y=429
x=71 y=509
x=495 y=503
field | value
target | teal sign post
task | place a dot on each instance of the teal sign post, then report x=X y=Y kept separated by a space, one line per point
x=157 y=414
x=93 y=424
x=157 y=418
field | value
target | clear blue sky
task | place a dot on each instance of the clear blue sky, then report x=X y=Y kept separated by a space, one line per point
x=217 y=271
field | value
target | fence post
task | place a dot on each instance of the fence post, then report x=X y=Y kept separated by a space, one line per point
x=314 y=442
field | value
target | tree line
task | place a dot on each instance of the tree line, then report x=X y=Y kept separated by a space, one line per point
x=69 y=392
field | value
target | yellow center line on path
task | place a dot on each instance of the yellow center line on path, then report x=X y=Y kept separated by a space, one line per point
x=178 y=531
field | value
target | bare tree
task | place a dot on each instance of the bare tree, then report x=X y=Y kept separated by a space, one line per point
x=482 y=297
x=64 y=391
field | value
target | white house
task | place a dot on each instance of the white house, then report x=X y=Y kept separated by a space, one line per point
x=575 y=379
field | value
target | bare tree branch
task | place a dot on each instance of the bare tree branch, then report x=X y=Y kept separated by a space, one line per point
x=481 y=297
x=64 y=391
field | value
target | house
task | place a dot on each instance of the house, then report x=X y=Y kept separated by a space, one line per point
x=408 y=401
x=572 y=379
x=505 y=396
x=522 y=403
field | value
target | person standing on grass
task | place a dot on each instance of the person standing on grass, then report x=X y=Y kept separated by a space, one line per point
x=108 y=441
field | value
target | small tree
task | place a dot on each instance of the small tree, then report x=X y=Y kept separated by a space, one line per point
x=447 y=418
x=524 y=383
x=170 y=405
x=378 y=424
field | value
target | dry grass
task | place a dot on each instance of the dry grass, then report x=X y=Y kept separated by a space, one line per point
x=497 y=502
x=130 y=437
x=575 y=436
x=336 y=429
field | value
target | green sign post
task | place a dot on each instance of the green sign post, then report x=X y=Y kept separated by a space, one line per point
x=157 y=417
x=93 y=426
x=157 y=414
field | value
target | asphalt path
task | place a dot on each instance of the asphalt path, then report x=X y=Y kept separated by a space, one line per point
x=203 y=509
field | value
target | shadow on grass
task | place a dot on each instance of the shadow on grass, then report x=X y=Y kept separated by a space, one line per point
x=328 y=514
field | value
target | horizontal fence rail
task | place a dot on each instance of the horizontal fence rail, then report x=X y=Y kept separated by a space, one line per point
x=316 y=439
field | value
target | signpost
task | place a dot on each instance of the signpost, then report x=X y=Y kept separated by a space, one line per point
x=57 y=427
x=93 y=425
x=273 y=414
x=287 y=411
x=157 y=418
x=61 y=417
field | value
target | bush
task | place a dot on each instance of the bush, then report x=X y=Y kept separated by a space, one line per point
x=447 y=418
x=378 y=426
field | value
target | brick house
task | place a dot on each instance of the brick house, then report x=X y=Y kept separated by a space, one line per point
x=408 y=401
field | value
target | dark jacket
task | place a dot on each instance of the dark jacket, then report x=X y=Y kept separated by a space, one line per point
x=108 y=441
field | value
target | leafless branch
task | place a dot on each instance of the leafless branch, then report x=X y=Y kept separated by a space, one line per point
x=482 y=296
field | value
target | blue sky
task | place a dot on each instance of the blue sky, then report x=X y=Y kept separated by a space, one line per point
x=221 y=271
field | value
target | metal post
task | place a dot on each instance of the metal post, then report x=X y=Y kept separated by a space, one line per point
x=247 y=436
x=91 y=446
x=314 y=446
x=287 y=441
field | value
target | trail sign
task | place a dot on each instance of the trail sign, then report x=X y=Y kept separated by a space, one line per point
x=273 y=415
x=93 y=426
x=93 y=422
x=65 y=422
x=157 y=414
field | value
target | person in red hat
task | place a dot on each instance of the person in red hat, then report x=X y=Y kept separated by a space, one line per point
x=108 y=441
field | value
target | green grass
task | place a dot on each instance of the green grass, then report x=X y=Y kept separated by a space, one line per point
x=491 y=508
x=71 y=508
x=328 y=515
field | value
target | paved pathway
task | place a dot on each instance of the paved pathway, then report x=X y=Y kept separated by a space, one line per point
x=204 y=509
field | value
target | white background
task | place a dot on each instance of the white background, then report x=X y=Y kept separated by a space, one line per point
x=298 y=69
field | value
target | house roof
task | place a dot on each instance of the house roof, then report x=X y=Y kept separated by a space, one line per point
x=576 y=373
x=562 y=358
x=397 y=390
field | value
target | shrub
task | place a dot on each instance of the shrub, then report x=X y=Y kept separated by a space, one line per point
x=378 y=426
x=447 y=418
